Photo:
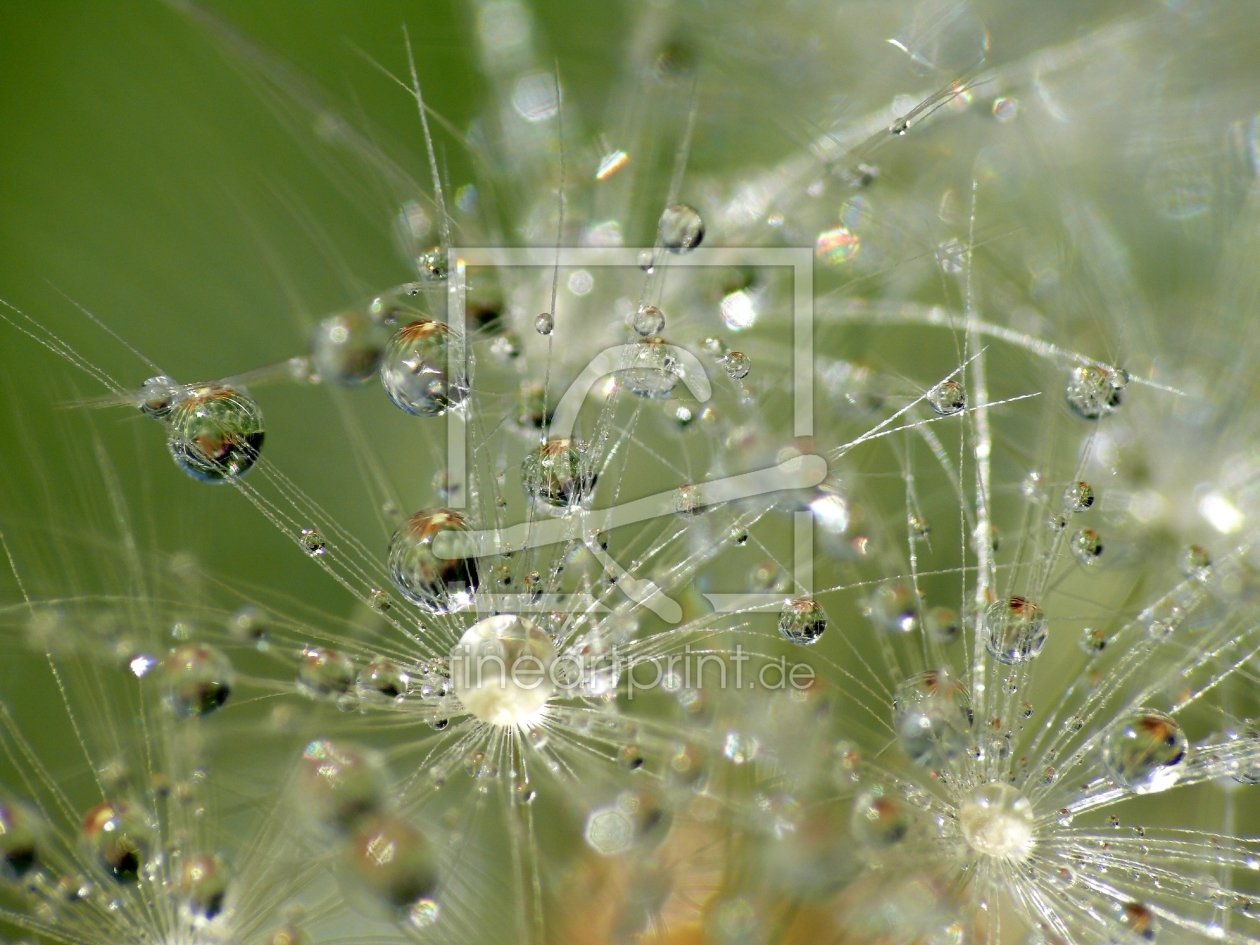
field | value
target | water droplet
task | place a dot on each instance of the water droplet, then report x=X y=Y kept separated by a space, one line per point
x=413 y=370
x=1092 y=392
x=932 y=718
x=545 y=323
x=689 y=502
x=1139 y=923
x=740 y=747
x=649 y=320
x=1056 y=522
x=431 y=265
x=893 y=607
x=120 y=835
x=198 y=680
x=846 y=766
x=802 y=620
x=737 y=364
x=21 y=838
x=1006 y=108
x=215 y=433
x=879 y=820
x=347 y=347
x=1195 y=561
x=646 y=261
x=650 y=373
x=1145 y=752
x=379 y=601
x=1025 y=710
x=681 y=229
x=438 y=585
x=947 y=398
x=383 y=681
x=159 y=395
x=500 y=670
x=1087 y=546
x=682 y=415
x=392 y=863
x=942 y=625
x=1078 y=497
x=631 y=757
x=341 y=784
x=1093 y=641
x=836 y=246
x=715 y=348
x=556 y=476
x=1015 y=630
x=997 y=820
x=203 y=885
x=1246 y=769
x=312 y=541
x=324 y=673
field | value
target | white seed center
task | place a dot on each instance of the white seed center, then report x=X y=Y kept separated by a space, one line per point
x=996 y=820
x=501 y=670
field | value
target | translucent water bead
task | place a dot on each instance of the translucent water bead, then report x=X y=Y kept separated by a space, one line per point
x=947 y=398
x=802 y=620
x=997 y=820
x=203 y=886
x=341 y=784
x=1086 y=546
x=21 y=838
x=649 y=320
x=1015 y=630
x=389 y=864
x=651 y=372
x=1145 y=752
x=413 y=369
x=681 y=228
x=555 y=476
x=501 y=670
x=932 y=717
x=215 y=433
x=879 y=820
x=1094 y=391
x=198 y=679
x=438 y=585
x=347 y=348
x=1078 y=497
x=120 y=836
x=158 y=395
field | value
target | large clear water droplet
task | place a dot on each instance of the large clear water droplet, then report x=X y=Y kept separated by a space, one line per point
x=438 y=585
x=802 y=620
x=681 y=228
x=556 y=476
x=413 y=370
x=1145 y=752
x=215 y=433
x=1014 y=630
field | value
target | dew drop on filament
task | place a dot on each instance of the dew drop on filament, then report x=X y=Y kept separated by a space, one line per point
x=681 y=228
